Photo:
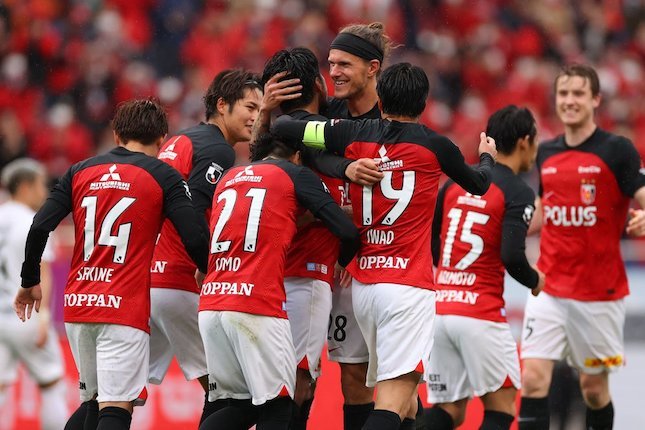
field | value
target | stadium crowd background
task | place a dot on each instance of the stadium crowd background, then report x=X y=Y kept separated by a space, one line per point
x=66 y=64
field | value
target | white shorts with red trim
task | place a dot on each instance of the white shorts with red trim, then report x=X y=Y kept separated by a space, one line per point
x=471 y=357
x=248 y=356
x=345 y=341
x=397 y=322
x=174 y=332
x=112 y=361
x=588 y=334
x=308 y=307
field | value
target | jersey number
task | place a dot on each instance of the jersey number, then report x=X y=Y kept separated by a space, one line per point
x=119 y=242
x=467 y=236
x=252 y=223
x=402 y=197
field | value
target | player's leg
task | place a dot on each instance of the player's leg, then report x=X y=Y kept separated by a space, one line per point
x=600 y=409
x=392 y=406
x=232 y=414
x=346 y=346
x=8 y=361
x=446 y=416
x=499 y=409
x=544 y=341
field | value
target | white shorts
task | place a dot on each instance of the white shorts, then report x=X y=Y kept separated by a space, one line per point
x=397 y=322
x=249 y=356
x=308 y=307
x=174 y=332
x=18 y=345
x=471 y=356
x=345 y=341
x=588 y=334
x=112 y=361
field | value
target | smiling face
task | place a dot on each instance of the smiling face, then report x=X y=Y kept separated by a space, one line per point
x=237 y=120
x=349 y=73
x=574 y=101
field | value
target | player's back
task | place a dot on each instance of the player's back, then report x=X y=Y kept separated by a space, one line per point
x=395 y=215
x=252 y=224
x=117 y=202
x=470 y=269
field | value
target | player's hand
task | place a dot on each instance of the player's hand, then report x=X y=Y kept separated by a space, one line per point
x=487 y=144
x=26 y=301
x=636 y=223
x=276 y=92
x=345 y=280
x=199 y=278
x=44 y=319
x=540 y=286
x=363 y=171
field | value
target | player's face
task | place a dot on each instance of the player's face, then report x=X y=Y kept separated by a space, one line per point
x=239 y=120
x=348 y=72
x=529 y=154
x=574 y=102
x=38 y=192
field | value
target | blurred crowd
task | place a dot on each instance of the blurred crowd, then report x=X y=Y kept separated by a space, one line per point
x=65 y=64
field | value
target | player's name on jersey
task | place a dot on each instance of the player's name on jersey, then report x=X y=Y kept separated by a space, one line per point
x=382 y=262
x=460 y=296
x=95 y=274
x=447 y=277
x=92 y=300
x=233 y=288
x=380 y=237
x=570 y=216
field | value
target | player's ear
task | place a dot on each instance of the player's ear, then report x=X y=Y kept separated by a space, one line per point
x=221 y=106
x=117 y=139
x=373 y=67
x=296 y=158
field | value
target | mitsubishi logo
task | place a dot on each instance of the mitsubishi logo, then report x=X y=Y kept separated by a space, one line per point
x=112 y=175
x=383 y=153
x=248 y=171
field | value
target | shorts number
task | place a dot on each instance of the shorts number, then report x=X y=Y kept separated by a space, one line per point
x=252 y=223
x=119 y=242
x=339 y=330
x=529 y=327
x=467 y=236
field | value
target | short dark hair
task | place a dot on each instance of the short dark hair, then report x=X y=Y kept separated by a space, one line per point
x=20 y=171
x=403 y=90
x=300 y=63
x=584 y=71
x=509 y=124
x=272 y=144
x=141 y=120
x=229 y=85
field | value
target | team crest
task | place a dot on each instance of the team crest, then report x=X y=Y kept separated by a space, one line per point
x=588 y=192
x=214 y=173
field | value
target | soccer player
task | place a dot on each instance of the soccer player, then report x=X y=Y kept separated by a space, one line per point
x=200 y=154
x=118 y=201
x=587 y=177
x=34 y=344
x=242 y=319
x=474 y=238
x=392 y=288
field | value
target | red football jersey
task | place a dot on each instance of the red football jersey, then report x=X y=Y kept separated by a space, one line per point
x=585 y=196
x=470 y=270
x=252 y=224
x=200 y=154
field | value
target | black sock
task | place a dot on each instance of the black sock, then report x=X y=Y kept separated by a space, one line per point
x=210 y=408
x=276 y=414
x=301 y=415
x=495 y=420
x=600 y=419
x=114 y=418
x=534 y=414
x=420 y=419
x=380 y=419
x=76 y=421
x=438 y=419
x=408 y=424
x=354 y=416
x=231 y=414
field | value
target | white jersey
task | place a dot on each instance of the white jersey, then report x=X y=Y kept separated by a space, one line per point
x=15 y=221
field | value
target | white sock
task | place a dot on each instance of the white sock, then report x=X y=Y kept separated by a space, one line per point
x=53 y=409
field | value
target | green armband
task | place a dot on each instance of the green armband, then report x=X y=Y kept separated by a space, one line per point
x=314 y=136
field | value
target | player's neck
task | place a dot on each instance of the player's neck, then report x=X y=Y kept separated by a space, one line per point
x=400 y=118
x=217 y=122
x=312 y=108
x=134 y=146
x=362 y=103
x=574 y=136
x=509 y=161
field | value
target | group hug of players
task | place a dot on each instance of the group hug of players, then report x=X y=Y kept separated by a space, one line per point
x=330 y=235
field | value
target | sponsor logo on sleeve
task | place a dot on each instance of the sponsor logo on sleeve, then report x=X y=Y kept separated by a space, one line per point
x=527 y=216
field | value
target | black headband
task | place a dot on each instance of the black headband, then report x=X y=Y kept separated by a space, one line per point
x=358 y=46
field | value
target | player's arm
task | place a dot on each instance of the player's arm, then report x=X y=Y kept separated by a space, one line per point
x=274 y=93
x=435 y=245
x=630 y=174
x=363 y=171
x=334 y=135
x=179 y=209
x=44 y=315
x=312 y=195
x=517 y=217
x=538 y=217
x=475 y=180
